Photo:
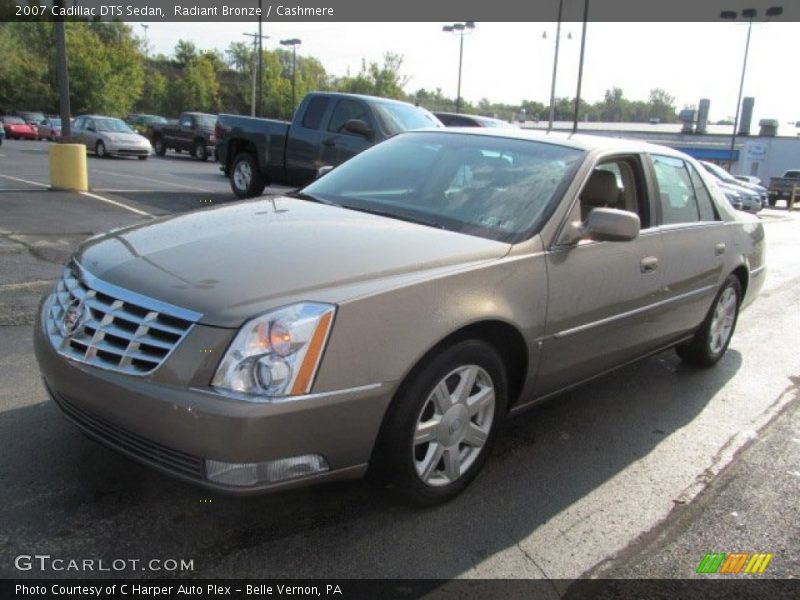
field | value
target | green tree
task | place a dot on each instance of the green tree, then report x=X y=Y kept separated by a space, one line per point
x=197 y=88
x=185 y=52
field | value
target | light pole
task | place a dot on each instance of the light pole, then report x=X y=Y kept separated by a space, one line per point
x=460 y=29
x=256 y=37
x=293 y=43
x=555 y=66
x=580 y=66
x=145 y=27
x=749 y=14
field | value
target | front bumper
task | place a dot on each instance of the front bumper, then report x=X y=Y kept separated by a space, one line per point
x=176 y=429
x=125 y=150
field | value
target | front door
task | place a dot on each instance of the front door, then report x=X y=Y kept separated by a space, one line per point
x=339 y=145
x=602 y=294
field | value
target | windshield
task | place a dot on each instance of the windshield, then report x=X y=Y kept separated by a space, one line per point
x=719 y=172
x=397 y=118
x=206 y=120
x=492 y=187
x=13 y=120
x=55 y=122
x=112 y=126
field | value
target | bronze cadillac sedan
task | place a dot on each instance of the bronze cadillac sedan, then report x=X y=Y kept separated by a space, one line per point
x=389 y=316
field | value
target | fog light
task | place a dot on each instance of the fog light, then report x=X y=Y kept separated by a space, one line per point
x=273 y=471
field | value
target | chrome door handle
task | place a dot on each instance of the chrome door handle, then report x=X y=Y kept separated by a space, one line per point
x=719 y=249
x=648 y=264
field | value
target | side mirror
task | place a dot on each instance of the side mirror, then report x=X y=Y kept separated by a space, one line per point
x=611 y=225
x=358 y=127
x=324 y=170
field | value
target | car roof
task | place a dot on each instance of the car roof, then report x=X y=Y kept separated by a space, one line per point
x=573 y=140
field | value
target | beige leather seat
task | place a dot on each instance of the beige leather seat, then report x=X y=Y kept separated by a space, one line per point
x=600 y=191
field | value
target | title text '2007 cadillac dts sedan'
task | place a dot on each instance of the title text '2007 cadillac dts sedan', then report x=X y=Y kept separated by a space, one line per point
x=390 y=315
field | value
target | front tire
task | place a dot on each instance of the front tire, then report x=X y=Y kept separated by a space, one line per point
x=711 y=341
x=442 y=423
x=246 y=178
x=159 y=146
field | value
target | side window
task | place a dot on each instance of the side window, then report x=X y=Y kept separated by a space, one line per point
x=676 y=193
x=89 y=123
x=186 y=121
x=617 y=183
x=314 y=112
x=704 y=202
x=345 y=111
x=78 y=124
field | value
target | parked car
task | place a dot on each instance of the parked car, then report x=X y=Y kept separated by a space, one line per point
x=753 y=197
x=327 y=129
x=109 y=136
x=459 y=120
x=193 y=132
x=31 y=117
x=17 y=129
x=49 y=128
x=749 y=179
x=781 y=187
x=141 y=123
x=389 y=316
x=2 y=135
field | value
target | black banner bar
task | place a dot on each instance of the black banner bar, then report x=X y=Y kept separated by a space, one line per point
x=739 y=587
x=375 y=11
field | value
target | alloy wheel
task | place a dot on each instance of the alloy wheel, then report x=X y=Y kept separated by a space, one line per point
x=454 y=425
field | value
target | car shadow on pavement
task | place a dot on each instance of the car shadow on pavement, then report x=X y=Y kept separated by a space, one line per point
x=67 y=496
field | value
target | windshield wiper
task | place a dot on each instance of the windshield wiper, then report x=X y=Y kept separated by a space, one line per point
x=305 y=196
x=391 y=215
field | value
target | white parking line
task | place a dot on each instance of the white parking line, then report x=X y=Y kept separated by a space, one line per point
x=115 y=203
x=29 y=182
x=139 y=177
x=87 y=194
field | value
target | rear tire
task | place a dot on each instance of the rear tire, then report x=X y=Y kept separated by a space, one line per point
x=711 y=341
x=142 y=157
x=199 y=151
x=100 y=150
x=442 y=423
x=246 y=178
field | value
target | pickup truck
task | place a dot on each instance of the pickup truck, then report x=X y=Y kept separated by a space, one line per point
x=327 y=129
x=193 y=132
x=781 y=187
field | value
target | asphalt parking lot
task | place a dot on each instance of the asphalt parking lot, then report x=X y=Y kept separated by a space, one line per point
x=571 y=484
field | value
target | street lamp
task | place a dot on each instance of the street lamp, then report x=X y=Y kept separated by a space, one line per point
x=749 y=14
x=555 y=66
x=460 y=29
x=293 y=43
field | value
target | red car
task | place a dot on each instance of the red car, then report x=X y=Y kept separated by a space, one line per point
x=16 y=128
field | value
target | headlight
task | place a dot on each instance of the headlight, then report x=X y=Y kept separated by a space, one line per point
x=277 y=354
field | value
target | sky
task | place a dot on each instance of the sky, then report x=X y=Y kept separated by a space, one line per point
x=509 y=62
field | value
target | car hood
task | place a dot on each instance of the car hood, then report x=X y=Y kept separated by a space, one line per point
x=124 y=138
x=233 y=262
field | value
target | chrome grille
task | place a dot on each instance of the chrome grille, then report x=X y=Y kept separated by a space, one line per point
x=105 y=326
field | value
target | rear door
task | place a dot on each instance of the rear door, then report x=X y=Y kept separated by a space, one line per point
x=602 y=295
x=303 y=148
x=696 y=242
x=185 y=132
x=339 y=145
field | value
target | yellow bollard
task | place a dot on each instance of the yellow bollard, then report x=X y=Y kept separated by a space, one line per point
x=68 y=167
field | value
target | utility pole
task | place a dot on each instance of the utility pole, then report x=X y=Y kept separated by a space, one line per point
x=260 y=61
x=256 y=40
x=62 y=72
